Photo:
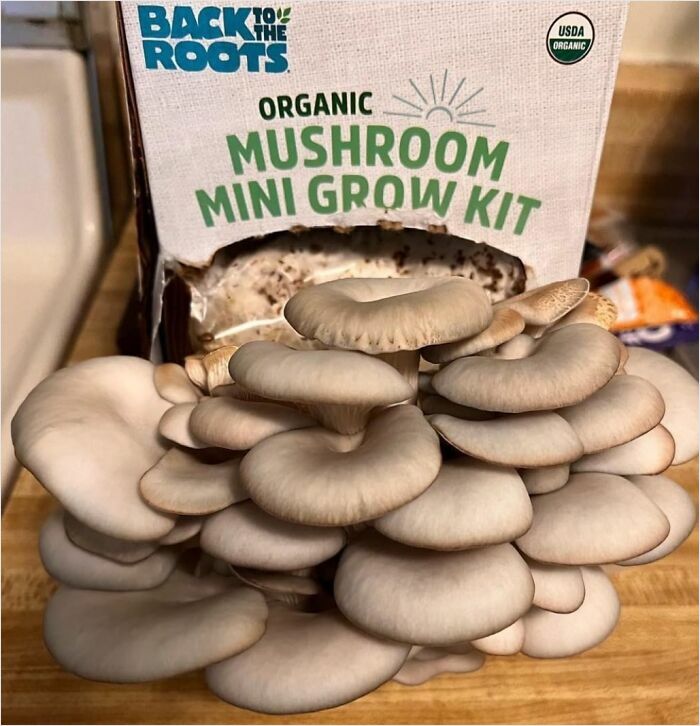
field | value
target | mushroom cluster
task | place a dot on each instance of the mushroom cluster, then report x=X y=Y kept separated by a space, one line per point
x=427 y=479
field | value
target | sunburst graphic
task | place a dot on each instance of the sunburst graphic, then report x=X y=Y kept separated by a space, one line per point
x=423 y=107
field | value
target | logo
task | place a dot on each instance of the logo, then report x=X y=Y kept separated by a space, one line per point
x=570 y=38
x=220 y=39
x=441 y=98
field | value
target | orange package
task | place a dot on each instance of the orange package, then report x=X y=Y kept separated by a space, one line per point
x=647 y=302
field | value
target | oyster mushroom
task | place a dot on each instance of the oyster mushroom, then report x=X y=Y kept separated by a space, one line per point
x=680 y=393
x=430 y=662
x=566 y=367
x=625 y=408
x=346 y=386
x=103 y=414
x=679 y=509
x=174 y=425
x=470 y=504
x=131 y=637
x=174 y=385
x=246 y=536
x=506 y=324
x=230 y=423
x=508 y=641
x=594 y=308
x=558 y=588
x=650 y=453
x=181 y=483
x=393 y=317
x=521 y=440
x=549 y=303
x=558 y=635
x=521 y=346
x=594 y=519
x=314 y=476
x=185 y=528
x=77 y=567
x=431 y=598
x=306 y=662
x=431 y=404
x=545 y=479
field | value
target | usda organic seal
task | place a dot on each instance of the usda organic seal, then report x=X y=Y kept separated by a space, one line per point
x=570 y=38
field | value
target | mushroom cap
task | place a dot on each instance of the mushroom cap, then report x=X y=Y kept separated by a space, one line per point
x=182 y=484
x=558 y=635
x=119 y=550
x=215 y=365
x=284 y=583
x=422 y=668
x=470 y=504
x=195 y=370
x=594 y=519
x=508 y=641
x=432 y=403
x=339 y=377
x=239 y=425
x=174 y=425
x=314 y=476
x=431 y=598
x=521 y=440
x=680 y=392
x=520 y=346
x=565 y=367
x=506 y=324
x=184 y=529
x=388 y=315
x=650 y=453
x=594 y=308
x=558 y=588
x=246 y=536
x=306 y=662
x=173 y=384
x=547 y=304
x=676 y=504
x=131 y=637
x=626 y=407
x=545 y=479
x=88 y=433
x=74 y=566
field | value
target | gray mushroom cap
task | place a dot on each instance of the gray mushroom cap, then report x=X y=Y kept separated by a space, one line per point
x=566 y=367
x=508 y=641
x=547 y=304
x=173 y=384
x=545 y=479
x=314 y=476
x=230 y=423
x=557 y=635
x=306 y=662
x=558 y=588
x=131 y=637
x=430 y=662
x=679 y=509
x=246 y=536
x=432 y=403
x=389 y=315
x=77 y=567
x=174 y=426
x=428 y=597
x=625 y=408
x=183 y=484
x=92 y=413
x=650 y=453
x=594 y=519
x=470 y=504
x=119 y=550
x=185 y=528
x=520 y=346
x=522 y=440
x=680 y=392
x=506 y=324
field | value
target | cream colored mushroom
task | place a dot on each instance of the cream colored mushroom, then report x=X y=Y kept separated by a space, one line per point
x=508 y=641
x=558 y=588
x=430 y=662
x=549 y=303
x=566 y=367
x=173 y=384
x=88 y=433
x=545 y=479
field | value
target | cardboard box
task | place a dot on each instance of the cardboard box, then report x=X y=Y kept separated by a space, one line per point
x=486 y=119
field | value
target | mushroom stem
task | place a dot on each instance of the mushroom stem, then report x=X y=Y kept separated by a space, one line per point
x=406 y=362
x=343 y=418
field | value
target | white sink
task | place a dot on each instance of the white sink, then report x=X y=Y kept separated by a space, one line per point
x=52 y=219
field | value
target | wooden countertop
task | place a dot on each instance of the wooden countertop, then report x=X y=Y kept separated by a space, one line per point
x=647 y=672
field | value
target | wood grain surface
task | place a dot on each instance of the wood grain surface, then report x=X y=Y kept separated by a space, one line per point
x=647 y=672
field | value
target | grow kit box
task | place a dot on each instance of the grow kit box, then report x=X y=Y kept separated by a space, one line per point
x=452 y=121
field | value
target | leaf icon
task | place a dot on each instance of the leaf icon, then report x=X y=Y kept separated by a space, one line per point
x=279 y=13
x=284 y=14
